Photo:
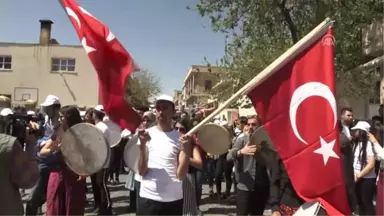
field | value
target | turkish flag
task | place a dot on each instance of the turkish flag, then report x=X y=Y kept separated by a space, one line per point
x=297 y=106
x=111 y=61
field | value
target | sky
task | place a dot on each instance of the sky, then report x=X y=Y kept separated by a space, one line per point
x=161 y=35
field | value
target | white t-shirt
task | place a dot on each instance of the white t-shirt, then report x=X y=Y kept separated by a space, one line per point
x=160 y=182
x=103 y=127
x=356 y=160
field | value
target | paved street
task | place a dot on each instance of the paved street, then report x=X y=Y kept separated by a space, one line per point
x=120 y=198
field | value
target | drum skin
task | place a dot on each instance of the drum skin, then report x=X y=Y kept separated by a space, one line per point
x=131 y=153
x=214 y=139
x=114 y=133
x=84 y=148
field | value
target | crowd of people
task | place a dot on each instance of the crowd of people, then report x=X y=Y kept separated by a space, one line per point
x=171 y=166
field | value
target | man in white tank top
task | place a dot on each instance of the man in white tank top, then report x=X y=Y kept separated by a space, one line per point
x=163 y=163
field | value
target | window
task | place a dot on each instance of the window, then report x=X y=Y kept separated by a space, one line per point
x=208 y=85
x=5 y=62
x=63 y=65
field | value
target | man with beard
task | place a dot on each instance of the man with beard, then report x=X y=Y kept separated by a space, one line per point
x=253 y=180
x=163 y=163
x=346 y=121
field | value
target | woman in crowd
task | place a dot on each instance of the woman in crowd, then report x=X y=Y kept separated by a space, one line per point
x=66 y=190
x=363 y=165
x=189 y=183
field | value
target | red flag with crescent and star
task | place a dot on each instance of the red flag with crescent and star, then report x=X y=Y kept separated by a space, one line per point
x=297 y=106
x=111 y=61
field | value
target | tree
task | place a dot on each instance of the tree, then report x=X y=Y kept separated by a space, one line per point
x=258 y=31
x=141 y=86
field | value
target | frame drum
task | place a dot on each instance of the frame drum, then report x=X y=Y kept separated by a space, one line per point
x=214 y=139
x=131 y=153
x=84 y=149
x=310 y=208
x=114 y=133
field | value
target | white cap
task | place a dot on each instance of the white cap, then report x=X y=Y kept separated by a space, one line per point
x=106 y=118
x=126 y=133
x=30 y=112
x=224 y=123
x=99 y=108
x=165 y=98
x=362 y=125
x=6 y=112
x=50 y=100
x=217 y=121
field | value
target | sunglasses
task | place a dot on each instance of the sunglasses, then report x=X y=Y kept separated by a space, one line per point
x=180 y=129
x=252 y=124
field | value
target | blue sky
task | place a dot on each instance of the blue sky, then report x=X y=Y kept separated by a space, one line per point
x=162 y=35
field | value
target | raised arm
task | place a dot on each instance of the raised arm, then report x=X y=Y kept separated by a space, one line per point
x=142 y=165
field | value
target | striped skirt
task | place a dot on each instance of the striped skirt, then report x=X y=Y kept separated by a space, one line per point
x=189 y=195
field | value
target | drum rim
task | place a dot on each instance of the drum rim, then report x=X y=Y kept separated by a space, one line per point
x=105 y=142
x=135 y=136
x=106 y=122
x=213 y=125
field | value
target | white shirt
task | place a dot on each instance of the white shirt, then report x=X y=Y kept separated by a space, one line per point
x=103 y=127
x=356 y=160
x=160 y=182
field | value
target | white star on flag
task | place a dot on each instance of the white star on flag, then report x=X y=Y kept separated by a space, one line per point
x=87 y=48
x=326 y=150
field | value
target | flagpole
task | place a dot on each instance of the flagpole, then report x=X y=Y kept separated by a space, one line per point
x=286 y=57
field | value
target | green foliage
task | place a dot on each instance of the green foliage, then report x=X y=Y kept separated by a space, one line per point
x=259 y=31
x=141 y=86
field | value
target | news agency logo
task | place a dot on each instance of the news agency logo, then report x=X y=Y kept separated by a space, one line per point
x=328 y=40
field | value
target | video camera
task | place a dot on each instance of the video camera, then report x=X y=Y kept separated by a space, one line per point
x=20 y=122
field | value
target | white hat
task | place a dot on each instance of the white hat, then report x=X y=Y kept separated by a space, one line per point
x=362 y=125
x=99 y=108
x=6 y=112
x=217 y=121
x=30 y=112
x=125 y=134
x=165 y=98
x=50 y=100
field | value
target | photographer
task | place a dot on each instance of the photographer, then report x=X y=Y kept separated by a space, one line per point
x=51 y=107
x=18 y=168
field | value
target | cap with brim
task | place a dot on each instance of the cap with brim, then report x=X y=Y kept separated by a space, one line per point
x=166 y=98
x=362 y=125
x=31 y=112
x=50 y=100
x=99 y=108
x=6 y=112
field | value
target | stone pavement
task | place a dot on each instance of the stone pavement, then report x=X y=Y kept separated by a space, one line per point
x=120 y=199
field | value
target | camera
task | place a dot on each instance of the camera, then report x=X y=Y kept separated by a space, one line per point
x=19 y=124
